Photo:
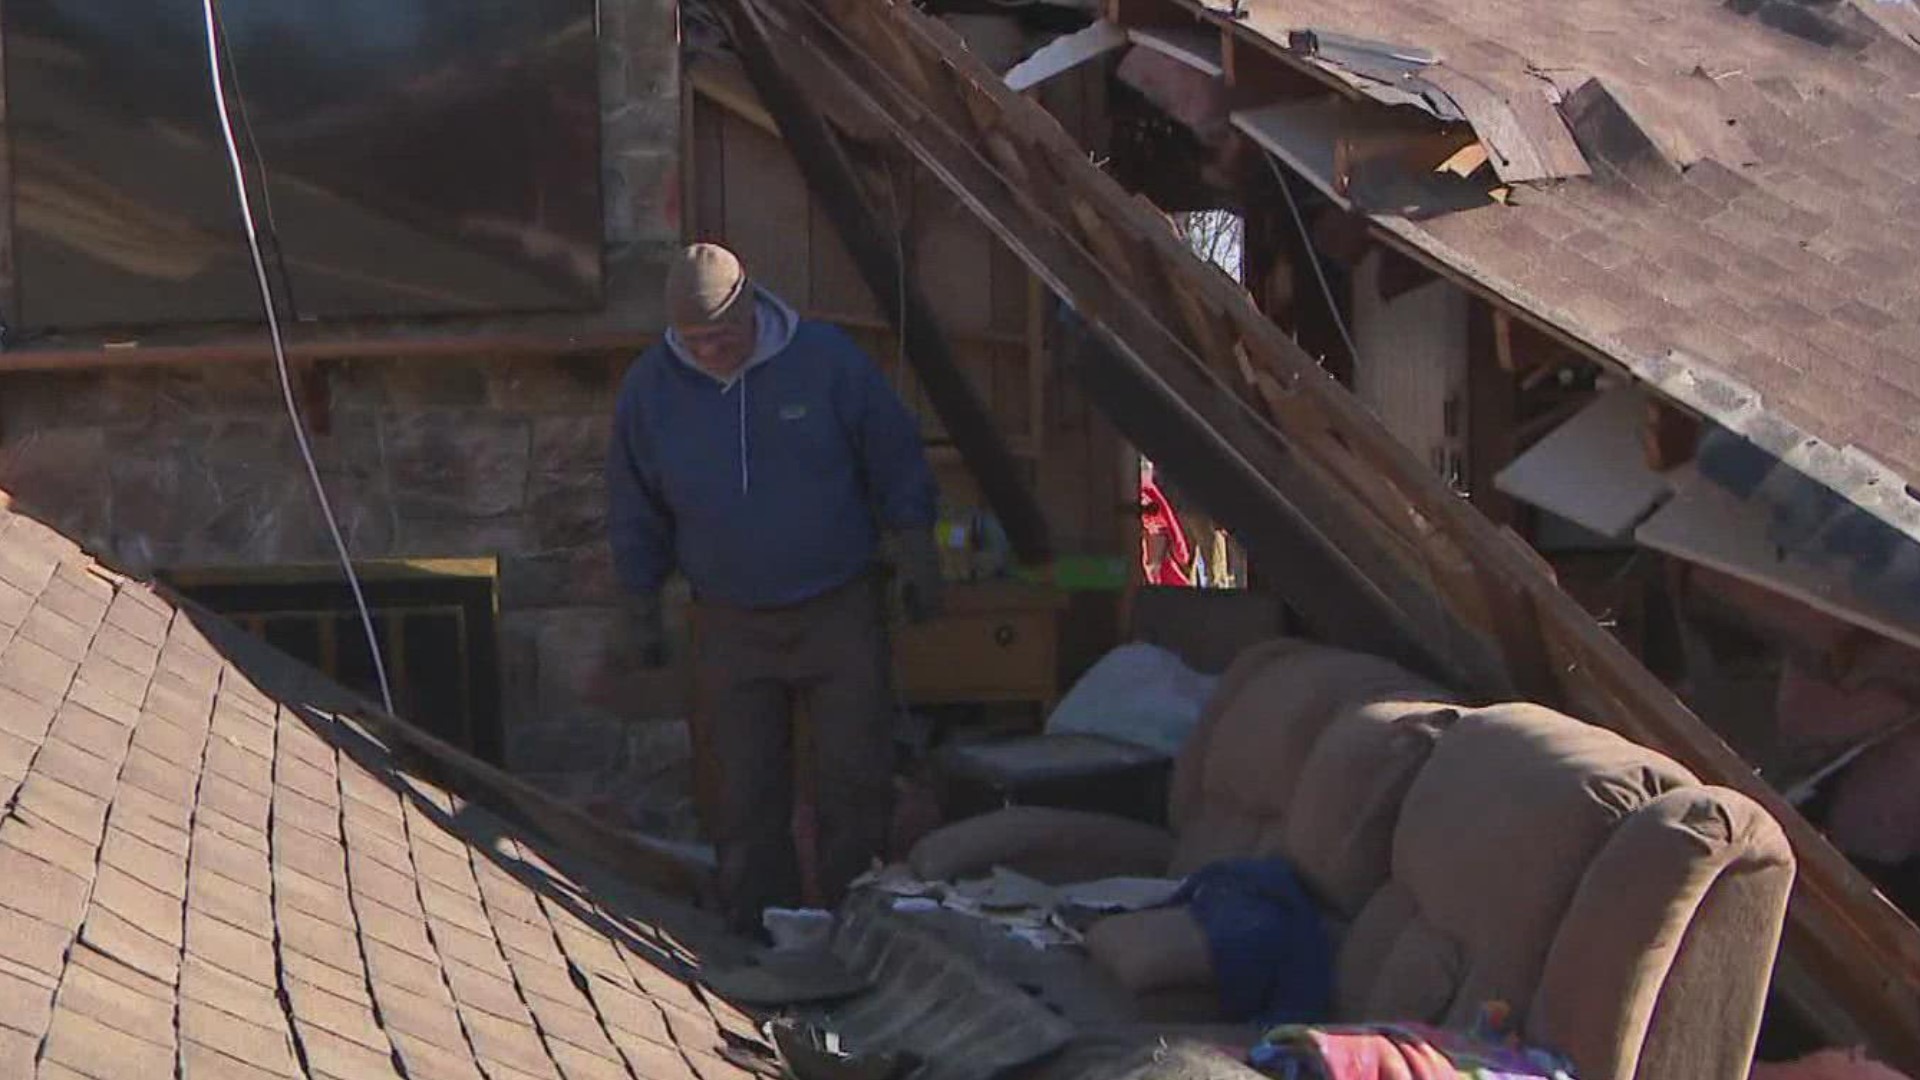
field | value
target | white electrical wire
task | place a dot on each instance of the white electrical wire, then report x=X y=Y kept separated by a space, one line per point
x=280 y=351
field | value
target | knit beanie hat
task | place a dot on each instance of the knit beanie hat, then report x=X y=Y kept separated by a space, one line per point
x=706 y=284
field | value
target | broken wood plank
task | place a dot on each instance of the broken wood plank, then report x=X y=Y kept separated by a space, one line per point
x=830 y=175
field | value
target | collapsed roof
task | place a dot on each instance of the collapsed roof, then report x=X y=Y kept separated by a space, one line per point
x=1361 y=538
x=1718 y=197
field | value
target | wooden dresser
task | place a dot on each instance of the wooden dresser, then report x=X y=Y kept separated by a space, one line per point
x=997 y=642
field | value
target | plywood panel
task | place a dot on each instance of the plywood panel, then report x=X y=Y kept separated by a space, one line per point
x=953 y=255
x=768 y=212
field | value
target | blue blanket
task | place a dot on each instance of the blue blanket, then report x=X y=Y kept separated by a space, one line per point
x=1272 y=956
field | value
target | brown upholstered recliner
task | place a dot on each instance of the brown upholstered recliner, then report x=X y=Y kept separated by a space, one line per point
x=1626 y=913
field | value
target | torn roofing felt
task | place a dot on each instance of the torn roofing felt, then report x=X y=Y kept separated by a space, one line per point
x=1744 y=240
x=207 y=863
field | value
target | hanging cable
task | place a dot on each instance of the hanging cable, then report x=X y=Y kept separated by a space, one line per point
x=280 y=350
x=1313 y=258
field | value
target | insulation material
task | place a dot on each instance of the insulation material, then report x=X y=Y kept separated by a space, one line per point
x=1590 y=470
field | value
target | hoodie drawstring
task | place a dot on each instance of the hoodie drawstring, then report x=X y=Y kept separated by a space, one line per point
x=743 y=433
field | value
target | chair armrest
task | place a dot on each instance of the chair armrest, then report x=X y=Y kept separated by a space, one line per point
x=1058 y=847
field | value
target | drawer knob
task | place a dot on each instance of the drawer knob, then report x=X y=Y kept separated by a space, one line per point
x=1003 y=635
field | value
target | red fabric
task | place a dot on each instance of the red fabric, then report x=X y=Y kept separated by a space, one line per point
x=1158 y=519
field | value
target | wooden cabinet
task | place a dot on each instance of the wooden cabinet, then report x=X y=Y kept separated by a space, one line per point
x=995 y=643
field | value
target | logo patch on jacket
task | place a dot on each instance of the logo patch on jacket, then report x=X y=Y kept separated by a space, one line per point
x=793 y=412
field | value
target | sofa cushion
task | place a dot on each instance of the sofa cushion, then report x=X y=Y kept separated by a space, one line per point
x=1155 y=951
x=1059 y=847
x=1494 y=840
x=1240 y=783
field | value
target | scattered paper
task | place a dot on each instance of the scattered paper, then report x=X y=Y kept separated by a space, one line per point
x=795 y=929
x=1121 y=893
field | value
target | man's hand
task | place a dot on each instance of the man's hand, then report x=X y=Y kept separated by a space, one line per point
x=918 y=587
x=647 y=626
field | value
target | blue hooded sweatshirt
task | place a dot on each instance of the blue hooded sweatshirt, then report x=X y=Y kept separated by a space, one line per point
x=770 y=488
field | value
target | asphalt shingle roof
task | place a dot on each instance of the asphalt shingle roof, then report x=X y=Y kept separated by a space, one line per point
x=1779 y=250
x=205 y=863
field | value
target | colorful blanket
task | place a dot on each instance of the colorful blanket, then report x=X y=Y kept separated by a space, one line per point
x=1404 y=1052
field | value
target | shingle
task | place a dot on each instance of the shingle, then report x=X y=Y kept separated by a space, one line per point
x=132 y=945
x=56 y=633
x=485 y=991
x=25 y=717
x=228 y=900
x=39 y=888
x=296 y=811
x=157 y=776
x=230 y=859
x=422 y=1015
x=572 y=1024
x=16 y=756
x=396 y=928
x=239 y=952
x=240 y=766
x=461 y=911
x=378 y=847
x=391 y=967
x=35 y=672
x=132 y=1004
x=320 y=859
x=269 y=1048
x=304 y=934
x=425 y=1061
x=648 y=1058
x=25 y=1005
x=180 y=744
x=580 y=1064
x=475 y=950
x=206 y=1063
x=346 y=984
x=302 y=893
x=216 y=820
x=143 y=625
x=98 y=1051
x=110 y=690
x=350 y=1019
x=333 y=1057
x=306 y=780
x=145 y=906
x=114 y=644
x=534 y=940
x=227 y=992
x=158 y=867
x=512 y=1043
x=14 y=604
x=77 y=768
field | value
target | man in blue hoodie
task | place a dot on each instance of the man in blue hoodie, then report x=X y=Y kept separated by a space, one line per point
x=766 y=459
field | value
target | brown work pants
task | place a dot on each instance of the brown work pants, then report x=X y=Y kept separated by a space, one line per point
x=826 y=658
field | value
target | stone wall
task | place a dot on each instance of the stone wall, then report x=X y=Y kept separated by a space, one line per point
x=158 y=468
x=196 y=465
